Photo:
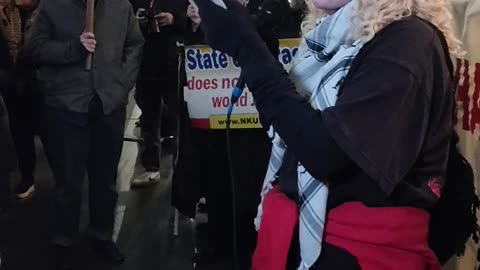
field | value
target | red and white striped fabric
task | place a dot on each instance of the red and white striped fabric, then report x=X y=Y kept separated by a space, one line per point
x=467 y=72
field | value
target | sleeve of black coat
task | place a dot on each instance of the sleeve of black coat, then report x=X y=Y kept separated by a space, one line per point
x=193 y=37
x=268 y=37
x=178 y=9
x=381 y=123
x=6 y=65
x=132 y=50
x=44 y=49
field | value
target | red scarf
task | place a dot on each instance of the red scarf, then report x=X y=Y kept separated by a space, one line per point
x=393 y=238
x=279 y=218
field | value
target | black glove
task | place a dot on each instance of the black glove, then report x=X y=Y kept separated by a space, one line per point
x=274 y=14
x=268 y=36
x=232 y=31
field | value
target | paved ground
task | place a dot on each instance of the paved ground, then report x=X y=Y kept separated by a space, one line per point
x=144 y=224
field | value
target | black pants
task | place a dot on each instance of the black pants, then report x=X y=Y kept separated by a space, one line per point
x=4 y=188
x=158 y=100
x=332 y=257
x=24 y=111
x=250 y=154
x=80 y=142
x=6 y=157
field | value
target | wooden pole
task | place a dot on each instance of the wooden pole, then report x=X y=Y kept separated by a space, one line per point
x=89 y=21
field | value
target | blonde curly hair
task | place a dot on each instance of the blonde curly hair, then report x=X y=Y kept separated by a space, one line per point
x=311 y=18
x=371 y=16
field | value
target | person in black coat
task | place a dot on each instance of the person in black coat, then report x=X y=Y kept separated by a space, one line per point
x=23 y=101
x=156 y=89
x=6 y=65
x=6 y=144
x=84 y=113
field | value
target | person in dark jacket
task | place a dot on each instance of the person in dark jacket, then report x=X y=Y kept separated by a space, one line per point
x=6 y=144
x=6 y=65
x=23 y=98
x=364 y=126
x=162 y=23
x=85 y=111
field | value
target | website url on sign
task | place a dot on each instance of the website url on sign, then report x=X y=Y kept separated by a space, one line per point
x=236 y=122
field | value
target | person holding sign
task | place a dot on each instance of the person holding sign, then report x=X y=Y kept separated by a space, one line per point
x=85 y=111
x=362 y=132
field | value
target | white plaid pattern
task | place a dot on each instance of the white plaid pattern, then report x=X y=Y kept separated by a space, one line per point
x=323 y=61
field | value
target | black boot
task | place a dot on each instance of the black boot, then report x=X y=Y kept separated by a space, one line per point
x=63 y=258
x=108 y=251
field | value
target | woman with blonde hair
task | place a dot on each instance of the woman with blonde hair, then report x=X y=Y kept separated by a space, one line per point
x=361 y=131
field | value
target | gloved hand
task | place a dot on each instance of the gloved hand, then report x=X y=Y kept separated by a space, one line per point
x=232 y=31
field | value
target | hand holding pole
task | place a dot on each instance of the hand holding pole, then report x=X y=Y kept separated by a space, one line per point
x=89 y=22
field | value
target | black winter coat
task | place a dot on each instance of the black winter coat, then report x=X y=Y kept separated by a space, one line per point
x=6 y=74
x=6 y=65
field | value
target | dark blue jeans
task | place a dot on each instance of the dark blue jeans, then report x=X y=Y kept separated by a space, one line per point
x=77 y=143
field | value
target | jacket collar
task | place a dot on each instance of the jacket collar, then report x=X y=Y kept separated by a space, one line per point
x=84 y=2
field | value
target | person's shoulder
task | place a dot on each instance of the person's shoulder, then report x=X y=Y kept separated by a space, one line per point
x=412 y=32
x=124 y=4
x=120 y=7
x=53 y=5
x=411 y=42
x=411 y=26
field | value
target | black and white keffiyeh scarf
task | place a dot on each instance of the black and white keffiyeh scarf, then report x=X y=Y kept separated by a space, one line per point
x=323 y=61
